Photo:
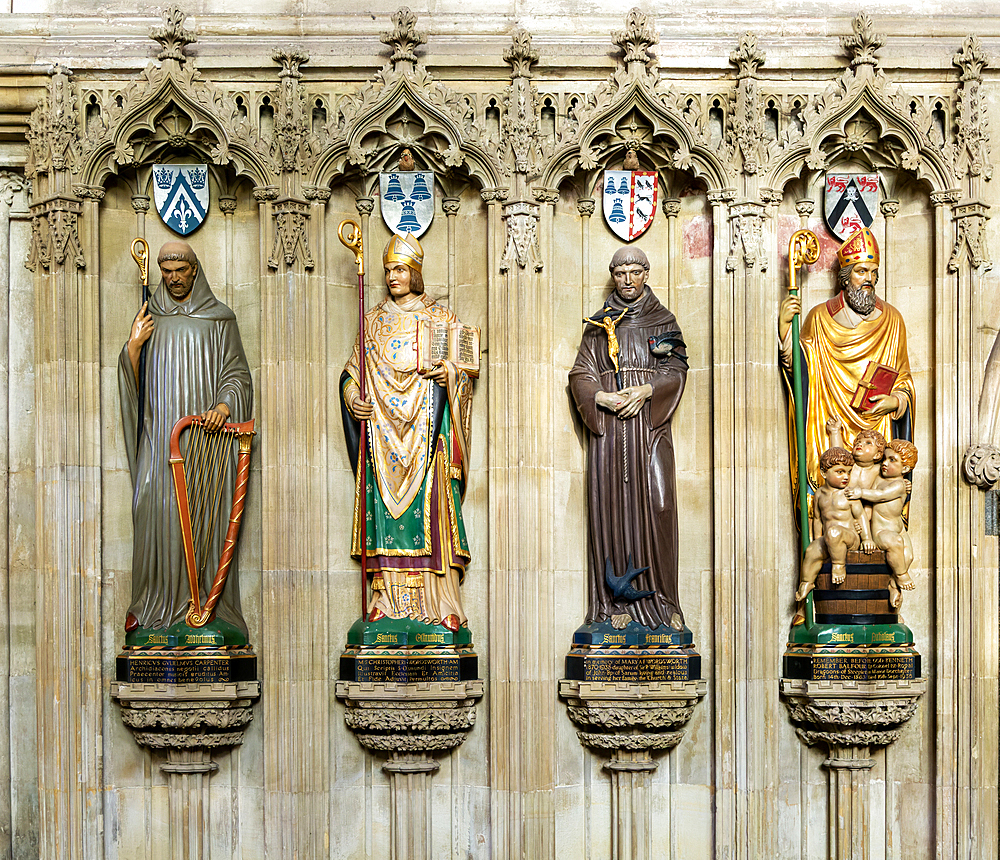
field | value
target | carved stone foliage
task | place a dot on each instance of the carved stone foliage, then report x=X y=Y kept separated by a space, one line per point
x=409 y=719
x=635 y=110
x=404 y=106
x=54 y=128
x=851 y=714
x=861 y=118
x=520 y=144
x=981 y=466
x=633 y=717
x=746 y=120
x=188 y=716
x=972 y=152
x=170 y=109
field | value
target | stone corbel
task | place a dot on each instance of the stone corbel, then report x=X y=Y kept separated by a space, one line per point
x=411 y=724
x=630 y=722
x=850 y=717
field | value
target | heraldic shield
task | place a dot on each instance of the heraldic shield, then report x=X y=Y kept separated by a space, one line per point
x=629 y=201
x=407 y=200
x=180 y=192
x=849 y=202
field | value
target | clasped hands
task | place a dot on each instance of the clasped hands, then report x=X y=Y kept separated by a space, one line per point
x=625 y=403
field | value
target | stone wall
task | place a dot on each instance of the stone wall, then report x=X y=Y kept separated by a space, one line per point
x=741 y=108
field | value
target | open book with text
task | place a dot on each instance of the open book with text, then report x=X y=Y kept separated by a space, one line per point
x=454 y=342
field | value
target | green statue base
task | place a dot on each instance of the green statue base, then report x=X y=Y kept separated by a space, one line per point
x=405 y=651
x=217 y=653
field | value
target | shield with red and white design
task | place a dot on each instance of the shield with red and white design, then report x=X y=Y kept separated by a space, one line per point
x=629 y=201
x=849 y=202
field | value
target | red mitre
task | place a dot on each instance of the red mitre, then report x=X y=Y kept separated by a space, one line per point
x=860 y=248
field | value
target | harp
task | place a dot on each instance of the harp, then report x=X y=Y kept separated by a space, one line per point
x=201 y=463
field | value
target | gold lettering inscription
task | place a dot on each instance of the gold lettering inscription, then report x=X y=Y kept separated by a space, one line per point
x=430 y=637
x=613 y=639
x=387 y=637
x=842 y=637
x=157 y=639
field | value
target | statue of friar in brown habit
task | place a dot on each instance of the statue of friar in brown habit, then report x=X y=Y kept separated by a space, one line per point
x=627 y=382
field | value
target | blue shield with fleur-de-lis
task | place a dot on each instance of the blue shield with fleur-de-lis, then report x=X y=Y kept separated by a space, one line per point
x=180 y=192
x=407 y=200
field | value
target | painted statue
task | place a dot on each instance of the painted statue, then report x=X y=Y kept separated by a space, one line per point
x=416 y=462
x=627 y=382
x=853 y=343
x=195 y=365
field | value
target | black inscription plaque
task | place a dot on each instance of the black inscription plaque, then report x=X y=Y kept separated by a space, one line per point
x=646 y=668
x=166 y=668
x=404 y=669
x=852 y=667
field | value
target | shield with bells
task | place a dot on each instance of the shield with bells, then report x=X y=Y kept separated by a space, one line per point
x=180 y=192
x=849 y=202
x=407 y=200
x=629 y=201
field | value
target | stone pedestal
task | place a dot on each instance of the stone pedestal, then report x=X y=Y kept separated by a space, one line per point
x=850 y=717
x=410 y=723
x=187 y=723
x=630 y=722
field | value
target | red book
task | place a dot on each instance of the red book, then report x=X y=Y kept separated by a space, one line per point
x=877 y=379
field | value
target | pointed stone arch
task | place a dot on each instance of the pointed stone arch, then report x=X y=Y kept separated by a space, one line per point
x=444 y=134
x=863 y=93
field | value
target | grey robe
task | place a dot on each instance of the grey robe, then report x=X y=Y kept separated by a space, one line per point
x=638 y=517
x=194 y=361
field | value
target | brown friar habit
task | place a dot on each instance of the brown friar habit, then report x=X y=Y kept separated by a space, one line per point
x=637 y=517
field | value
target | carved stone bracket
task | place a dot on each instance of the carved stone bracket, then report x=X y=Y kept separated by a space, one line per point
x=55 y=233
x=970 y=218
x=851 y=713
x=187 y=721
x=410 y=721
x=522 y=237
x=981 y=465
x=631 y=717
x=291 y=217
x=747 y=221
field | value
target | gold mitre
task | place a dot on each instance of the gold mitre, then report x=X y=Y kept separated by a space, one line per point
x=404 y=249
x=860 y=248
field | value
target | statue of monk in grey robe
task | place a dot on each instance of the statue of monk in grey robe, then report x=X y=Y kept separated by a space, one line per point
x=195 y=365
x=631 y=495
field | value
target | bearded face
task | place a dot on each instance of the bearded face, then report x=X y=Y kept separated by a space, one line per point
x=859 y=291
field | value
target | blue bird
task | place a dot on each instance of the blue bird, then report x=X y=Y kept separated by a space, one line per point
x=621 y=586
x=667 y=345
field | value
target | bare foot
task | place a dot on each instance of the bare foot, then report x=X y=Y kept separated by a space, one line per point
x=804 y=589
x=839 y=573
x=675 y=621
x=906 y=582
x=895 y=598
x=621 y=621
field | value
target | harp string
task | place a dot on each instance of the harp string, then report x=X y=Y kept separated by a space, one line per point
x=207 y=461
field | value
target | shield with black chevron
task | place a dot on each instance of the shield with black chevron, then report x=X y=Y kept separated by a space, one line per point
x=850 y=201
